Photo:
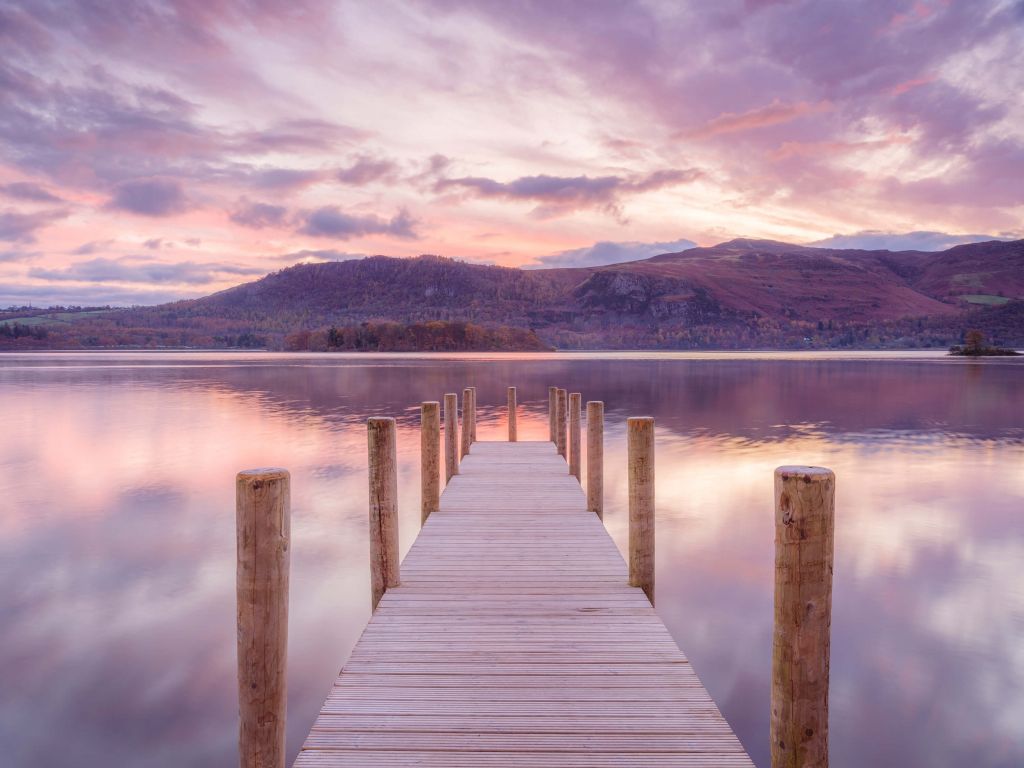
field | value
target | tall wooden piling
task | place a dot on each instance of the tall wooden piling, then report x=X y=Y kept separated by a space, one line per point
x=640 y=452
x=512 y=426
x=472 y=415
x=263 y=523
x=561 y=408
x=595 y=457
x=383 y=454
x=575 y=447
x=467 y=430
x=804 y=543
x=552 y=411
x=451 y=436
x=430 y=458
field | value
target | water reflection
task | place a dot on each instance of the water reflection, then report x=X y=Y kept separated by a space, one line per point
x=117 y=562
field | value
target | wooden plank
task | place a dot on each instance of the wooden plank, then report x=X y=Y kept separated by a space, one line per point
x=516 y=640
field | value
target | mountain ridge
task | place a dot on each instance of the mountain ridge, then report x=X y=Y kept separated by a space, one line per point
x=740 y=293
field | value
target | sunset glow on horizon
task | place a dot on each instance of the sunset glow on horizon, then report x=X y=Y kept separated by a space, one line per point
x=161 y=150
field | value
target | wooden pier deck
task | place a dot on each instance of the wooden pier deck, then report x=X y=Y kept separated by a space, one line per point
x=515 y=640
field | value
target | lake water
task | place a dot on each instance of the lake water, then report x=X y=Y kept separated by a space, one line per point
x=117 y=561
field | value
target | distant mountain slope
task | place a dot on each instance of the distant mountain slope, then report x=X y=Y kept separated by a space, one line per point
x=742 y=293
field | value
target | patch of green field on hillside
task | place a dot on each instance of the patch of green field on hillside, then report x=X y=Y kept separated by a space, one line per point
x=986 y=299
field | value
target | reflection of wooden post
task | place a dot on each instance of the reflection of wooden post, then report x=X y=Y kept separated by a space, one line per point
x=575 y=463
x=552 y=411
x=804 y=519
x=382 y=446
x=467 y=430
x=430 y=458
x=451 y=436
x=561 y=407
x=512 y=429
x=472 y=415
x=640 y=438
x=263 y=521
x=595 y=457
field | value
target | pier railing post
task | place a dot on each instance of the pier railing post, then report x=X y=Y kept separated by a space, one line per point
x=804 y=543
x=575 y=461
x=561 y=406
x=430 y=458
x=451 y=436
x=467 y=430
x=472 y=415
x=263 y=522
x=512 y=426
x=640 y=451
x=552 y=411
x=383 y=450
x=595 y=457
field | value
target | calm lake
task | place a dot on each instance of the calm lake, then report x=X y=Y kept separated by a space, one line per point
x=117 y=555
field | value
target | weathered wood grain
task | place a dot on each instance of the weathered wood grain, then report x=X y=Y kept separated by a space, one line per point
x=451 y=436
x=804 y=533
x=383 y=473
x=263 y=523
x=516 y=640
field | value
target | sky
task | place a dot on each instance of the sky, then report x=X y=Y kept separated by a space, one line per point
x=153 y=150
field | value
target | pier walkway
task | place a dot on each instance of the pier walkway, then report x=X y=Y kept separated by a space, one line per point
x=515 y=640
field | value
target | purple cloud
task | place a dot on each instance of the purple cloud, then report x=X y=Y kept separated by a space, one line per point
x=366 y=170
x=558 y=195
x=326 y=254
x=150 y=197
x=606 y=252
x=134 y=269
x=905 y=241
x=255 y=215
x=26 y=190
x=22 y=227
x=331 y=221
x=284 y=178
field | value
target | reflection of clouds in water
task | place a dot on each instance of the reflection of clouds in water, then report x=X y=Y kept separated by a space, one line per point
x=928 y=613
x=117 y=561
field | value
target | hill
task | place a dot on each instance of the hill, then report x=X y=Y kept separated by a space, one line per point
x=738 y=294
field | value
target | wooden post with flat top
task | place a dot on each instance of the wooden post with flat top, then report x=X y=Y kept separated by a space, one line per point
x=472 y=415
x=512 y=426
x=382 y=446
x=575 y=448
x=640 y=458
x=430 y=458
x=804 y=545
x=561 y=408
x=467 y=430
x=451 y=436
x=262 y=524
x=552 y=410
x=595 y=457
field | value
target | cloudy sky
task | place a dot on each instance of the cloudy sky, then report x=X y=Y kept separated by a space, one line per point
x=151 y=150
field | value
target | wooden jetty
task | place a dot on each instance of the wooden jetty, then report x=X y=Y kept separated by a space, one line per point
x=514 y=633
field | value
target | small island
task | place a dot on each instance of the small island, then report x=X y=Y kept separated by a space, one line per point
x=974 y=346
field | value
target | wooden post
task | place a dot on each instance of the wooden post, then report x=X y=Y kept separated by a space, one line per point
x=552 y=411
x=560 y=412
x=804 y=524
x=595 y=457
x=263 y=523
x=430 y=458
x=451 y=436
x=575 y=461
x=467 y=430
x=382 y=445
x=512 y=430
x=472 y=416
x=640 y=437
